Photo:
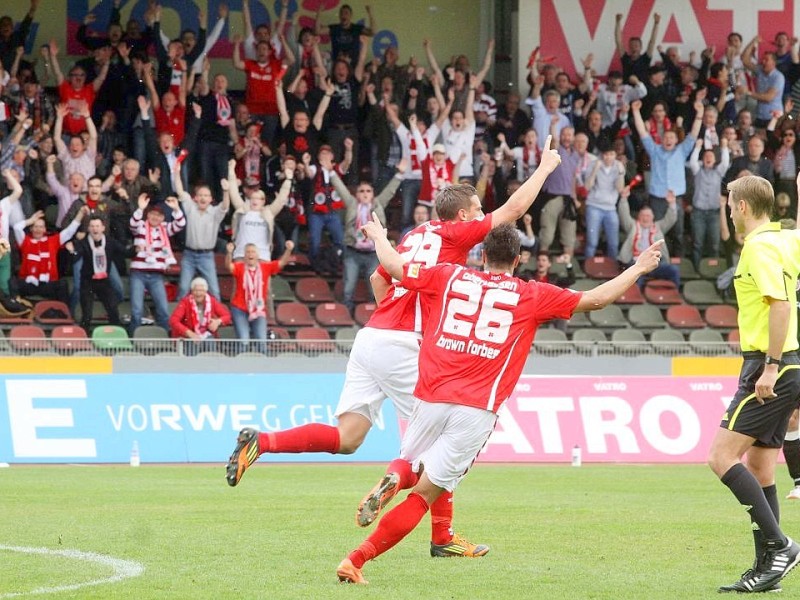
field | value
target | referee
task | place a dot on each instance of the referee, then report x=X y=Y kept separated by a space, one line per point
x=769 y=383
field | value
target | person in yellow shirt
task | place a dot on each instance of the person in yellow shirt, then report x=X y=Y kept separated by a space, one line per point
x=769 y=383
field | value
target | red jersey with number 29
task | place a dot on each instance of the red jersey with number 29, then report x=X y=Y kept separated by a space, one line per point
x=480 y=329
x=428 y=244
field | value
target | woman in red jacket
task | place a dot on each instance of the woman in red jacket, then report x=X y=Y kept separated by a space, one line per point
x=198 y=317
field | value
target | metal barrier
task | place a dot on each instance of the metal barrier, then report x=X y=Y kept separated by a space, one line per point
x=326 y=347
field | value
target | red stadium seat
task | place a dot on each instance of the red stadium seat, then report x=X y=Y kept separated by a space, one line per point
x=733 y=340
x=314 y=340
x=313 y=290
x=364 y=311
x=722 y=316
x=631 y=296
x=601 y=267
x=361 y=294
x=52 y=312
x=333 y=314
x=70 y=338
x=294 y=314
x=662 y=291
x=28 y=338
x=684 y=316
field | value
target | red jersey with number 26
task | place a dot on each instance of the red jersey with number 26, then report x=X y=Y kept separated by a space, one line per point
x=428 y=244
x=480 y=329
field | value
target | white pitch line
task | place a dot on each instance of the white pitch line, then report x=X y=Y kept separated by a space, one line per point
x=123 y=569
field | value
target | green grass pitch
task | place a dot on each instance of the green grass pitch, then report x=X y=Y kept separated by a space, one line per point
x=599 y=531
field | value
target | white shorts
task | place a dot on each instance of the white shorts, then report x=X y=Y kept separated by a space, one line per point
x=383 y=364
x=446 y=439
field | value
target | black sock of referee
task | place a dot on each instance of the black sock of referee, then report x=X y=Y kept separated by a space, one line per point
x=791 y=452
x=771 y=494
x=750 y=494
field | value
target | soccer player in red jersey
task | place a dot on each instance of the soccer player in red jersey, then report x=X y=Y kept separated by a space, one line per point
x=384 y=358
x=475 y=343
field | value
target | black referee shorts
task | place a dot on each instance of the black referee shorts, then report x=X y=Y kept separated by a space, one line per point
x=765 y=422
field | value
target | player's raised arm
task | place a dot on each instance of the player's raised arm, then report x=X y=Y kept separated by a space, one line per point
x=387 y=255
x=611 y=290
x=521 y=200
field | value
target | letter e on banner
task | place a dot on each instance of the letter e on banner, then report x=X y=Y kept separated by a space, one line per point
x=25 y=419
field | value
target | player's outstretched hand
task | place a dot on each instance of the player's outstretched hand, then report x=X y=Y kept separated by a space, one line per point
x=373 y=229
x=550 y=157
x=650 y=258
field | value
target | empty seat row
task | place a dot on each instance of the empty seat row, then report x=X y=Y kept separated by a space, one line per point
x=664 y=341
x=700 y=292
x=650 y=316
x=601 y=267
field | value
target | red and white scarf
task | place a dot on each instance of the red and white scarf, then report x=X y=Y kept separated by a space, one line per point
x=39 y=260
x=166 y=247
x=201 y=322
x=529 y=167
x=99 y=258
x=223 y=110
x=651 y=231
x=440 y=177
x=252 y=160
x=362 y=216
x=655 y=131
x=253 y=284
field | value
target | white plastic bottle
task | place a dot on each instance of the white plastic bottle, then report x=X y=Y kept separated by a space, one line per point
x=576 y=456
x=135 y=460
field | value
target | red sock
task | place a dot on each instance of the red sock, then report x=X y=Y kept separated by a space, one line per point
x=442 y=519
x=314 y=437
x=408 y=478
x=393 y=527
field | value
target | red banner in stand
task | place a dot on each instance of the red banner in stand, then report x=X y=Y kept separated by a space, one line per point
x=571 y=29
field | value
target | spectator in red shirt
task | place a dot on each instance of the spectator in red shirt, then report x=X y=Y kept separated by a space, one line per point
x=263 y=75
x=198 y=316
x=76 y=93
x=249 y=301
x=170 y=108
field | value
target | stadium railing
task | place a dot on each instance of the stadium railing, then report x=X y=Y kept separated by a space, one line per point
x=341 y=347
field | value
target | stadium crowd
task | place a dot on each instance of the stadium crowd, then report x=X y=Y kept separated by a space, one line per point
x=138 y=162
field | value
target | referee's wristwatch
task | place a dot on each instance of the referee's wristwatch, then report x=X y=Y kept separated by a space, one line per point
x=769 y=360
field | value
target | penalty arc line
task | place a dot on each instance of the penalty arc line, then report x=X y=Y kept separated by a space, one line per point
x=123 y=569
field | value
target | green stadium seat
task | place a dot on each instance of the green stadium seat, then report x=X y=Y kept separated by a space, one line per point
x=708 y=342
x=112 y=338
x=629 y=341
x=711 y=268
x=668 y=341
x=344 y=338
x=701 y=293
x=646 y=316
x=578 y=320
x=152 y=339
x=589 y=341
x=280 y=290
x=609 y=317
x=685 y=268
x=551 y=341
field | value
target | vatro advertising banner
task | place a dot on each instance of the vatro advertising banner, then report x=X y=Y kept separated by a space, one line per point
x=195 y=418
x=612 y=419
x=570 y=29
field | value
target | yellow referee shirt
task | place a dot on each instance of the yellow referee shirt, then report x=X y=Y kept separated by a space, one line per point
x=768 y=268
